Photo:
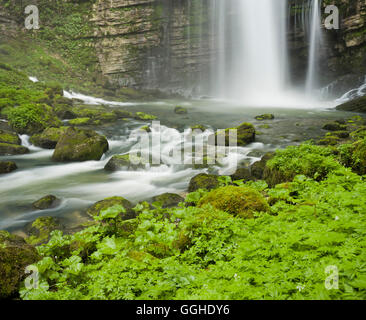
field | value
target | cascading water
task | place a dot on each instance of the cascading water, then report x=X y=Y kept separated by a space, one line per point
x=251 y=43
x=315 y=40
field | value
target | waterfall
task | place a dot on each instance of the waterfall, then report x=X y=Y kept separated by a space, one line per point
x=315 y=39
x=251 y=63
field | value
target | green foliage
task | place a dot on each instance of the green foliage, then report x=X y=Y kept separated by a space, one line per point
x=191 y=252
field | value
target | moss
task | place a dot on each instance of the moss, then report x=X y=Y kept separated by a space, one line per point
x=144 y=116
x=245 y=134
x=168 y=200
x=203 y=181
x=125 y=161
x=180 y=110
x=238 y=201
x=9 y=137
x=329 y=141
x=99 y=206
x=15 y=256
x=80 y=145
x=356 y=105
x=46 y=202
x=32 y=118
x=40 y=229
x=12 y=149
x=146 y=129
x=80 y=121
x=266 y=116
x=121 y=114
x=48 y=138
x=198 y=127
x=7 y=166
x=359 y=157
x=334 y=126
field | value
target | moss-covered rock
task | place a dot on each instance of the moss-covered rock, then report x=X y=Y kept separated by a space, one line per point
x=40 y=229
x=32 y=118
x=334 y=126
x=64 y=112
x=359 y=156
x=99 y=206
x=15 y=256
x=239 y=201
x=80 y=145
x=329 y=140
x=203 y=181
x=199 y=127
x=7 y=149
x=266 y=116
x=124 y=162
x=168 y=200
x=146 y=129
x=46 y=202
x=341 y=134
x=242 y=174
x=257 y=168
x=7 y=166
x=180 y=110
x=245 y=134
x=144 y=116
x=81 y=121
x=356 y=105
x=122 y=114
x=48 y=138
x=9 y=137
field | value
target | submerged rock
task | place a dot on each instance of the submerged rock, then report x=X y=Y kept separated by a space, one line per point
x=7 y=149
x=46 y=202
x=48 y=138
x=203 y=181
x=80 y=145
x=40 y=229
x=238 y=201
x=144 y=116
x=180 y=110
x=266 y=116
x=99 y=206
x=15 y=256
x=7 y=166
x=124 y=162
x=168 y=200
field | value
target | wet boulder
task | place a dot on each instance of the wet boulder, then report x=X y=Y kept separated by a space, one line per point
x=7 y=149
x=356 y=105
x=333 y=126
x=180 y=110
x=9 y=137
x=99 y=206
x=15 y=256
x=40 y=229
x=266 y=116
x=203 y=181
x=168 y=200
x=46 y=202
x=48 y=138
x=124 y=162
x=80 y=145
x=7 y=166
x=245 y=134
x=257 y=168
x=242 y=174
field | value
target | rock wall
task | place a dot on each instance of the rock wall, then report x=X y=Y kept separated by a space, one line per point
x=152 y=43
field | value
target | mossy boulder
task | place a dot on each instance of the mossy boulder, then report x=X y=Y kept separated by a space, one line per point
x=329 y=140
x=358 y=156
x=40 y=229
x=46 y=202
x=64 y=112
x=32 y=118
x=81 y=121
x=180 y=110
x=203 y=181
x=341 y=134
x=124 y=162
x=266 y=116
x=245 y=134
x=144 y=116
x=356 y=105
x=242 y=174
x=9 y=137
x=80 y=145
x=122 y=114
x=238 y=201
x=48 y=138
x=168 y=200
x=15 y=256
x=257 y=168
x=199 y=127
x=99 y=206
x=334 y=126
x=7 y=149
x=7 y=166
x=146 y=129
